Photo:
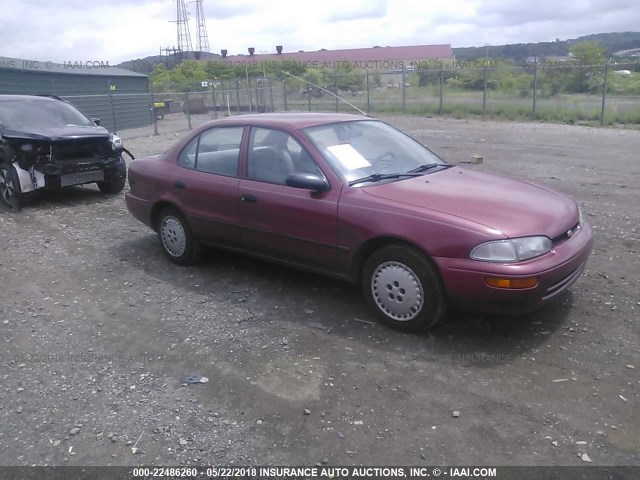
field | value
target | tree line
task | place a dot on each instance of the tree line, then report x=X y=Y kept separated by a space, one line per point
x=583 y=73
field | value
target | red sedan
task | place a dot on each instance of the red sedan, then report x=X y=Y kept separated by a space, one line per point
x=354 y=198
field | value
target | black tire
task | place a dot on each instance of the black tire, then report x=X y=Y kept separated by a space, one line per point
x=10 y=193
x=112 y=186
x=403 y=287
x=176 y=239
x=114 y=178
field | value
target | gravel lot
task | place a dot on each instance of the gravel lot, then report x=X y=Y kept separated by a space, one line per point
x=99 y=332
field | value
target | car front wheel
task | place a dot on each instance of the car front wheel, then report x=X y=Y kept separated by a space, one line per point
x=402 y=285
x=114 y=178
x=112 y=186
x=9 y=186
x=176 y=239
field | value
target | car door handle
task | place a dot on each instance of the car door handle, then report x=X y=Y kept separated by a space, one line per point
x=249 y=198
x=180 y=185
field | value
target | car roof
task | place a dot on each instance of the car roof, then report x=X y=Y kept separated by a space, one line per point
x=291 y=119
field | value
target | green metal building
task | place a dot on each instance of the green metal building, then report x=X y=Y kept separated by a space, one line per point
x=118 y=97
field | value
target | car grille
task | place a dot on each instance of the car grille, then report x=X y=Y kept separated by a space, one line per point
x=81 y=150
x=566 y=235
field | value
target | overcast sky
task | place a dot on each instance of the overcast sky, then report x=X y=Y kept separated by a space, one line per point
x=119 y=30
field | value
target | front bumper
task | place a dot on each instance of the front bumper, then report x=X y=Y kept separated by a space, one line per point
x=465 y=279
x=65 y=174
x=73 y=167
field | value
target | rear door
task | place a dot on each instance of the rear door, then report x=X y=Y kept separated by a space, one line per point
x=207 y=184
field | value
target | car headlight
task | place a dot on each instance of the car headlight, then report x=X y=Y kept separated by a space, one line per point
x=116 y=141
x=512 y=250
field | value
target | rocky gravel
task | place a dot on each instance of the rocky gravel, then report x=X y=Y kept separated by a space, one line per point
x=113 y=356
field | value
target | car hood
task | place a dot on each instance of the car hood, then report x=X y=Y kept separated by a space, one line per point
x=512 y=207
x=57 y=134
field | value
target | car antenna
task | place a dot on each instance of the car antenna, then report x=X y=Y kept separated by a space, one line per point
x=326 y=91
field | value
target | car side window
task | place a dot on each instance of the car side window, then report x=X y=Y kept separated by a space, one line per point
x=214 y=151
x=187 y=157
x=302 y=161
x=275 y=154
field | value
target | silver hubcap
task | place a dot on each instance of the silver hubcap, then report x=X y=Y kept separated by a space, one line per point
x=6 y=185
x=174 y=238
x=397 y=291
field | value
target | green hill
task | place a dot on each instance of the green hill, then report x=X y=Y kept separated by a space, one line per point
x=613 y=42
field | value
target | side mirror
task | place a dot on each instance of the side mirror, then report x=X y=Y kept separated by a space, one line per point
x=96 y=121
x=308 y=181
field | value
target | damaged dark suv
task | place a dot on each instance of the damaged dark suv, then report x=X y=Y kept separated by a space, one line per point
x=45 y=142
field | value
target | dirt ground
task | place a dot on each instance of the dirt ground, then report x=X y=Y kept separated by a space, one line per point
x=99 y=331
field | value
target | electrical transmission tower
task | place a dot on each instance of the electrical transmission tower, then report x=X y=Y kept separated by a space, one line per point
x=182 y=22
x=203 y=39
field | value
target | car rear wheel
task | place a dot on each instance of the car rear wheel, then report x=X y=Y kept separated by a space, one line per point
x=403 y=287
x=9 y=186
x=177 y=241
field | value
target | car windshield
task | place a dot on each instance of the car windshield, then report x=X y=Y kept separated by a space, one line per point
x=24 y=115
x=369 y=151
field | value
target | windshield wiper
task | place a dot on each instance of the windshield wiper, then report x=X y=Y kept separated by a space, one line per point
x=382 y=176
x=428 y=166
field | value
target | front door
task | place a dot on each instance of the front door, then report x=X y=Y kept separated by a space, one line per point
x=285 y=222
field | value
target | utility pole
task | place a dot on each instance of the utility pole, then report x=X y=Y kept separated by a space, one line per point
x=484 y=90
x=174 y=52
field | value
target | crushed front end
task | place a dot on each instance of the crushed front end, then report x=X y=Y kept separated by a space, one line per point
x=65 y=161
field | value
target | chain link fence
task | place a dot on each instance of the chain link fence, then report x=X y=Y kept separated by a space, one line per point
x=600 y=95
x=591 y=95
